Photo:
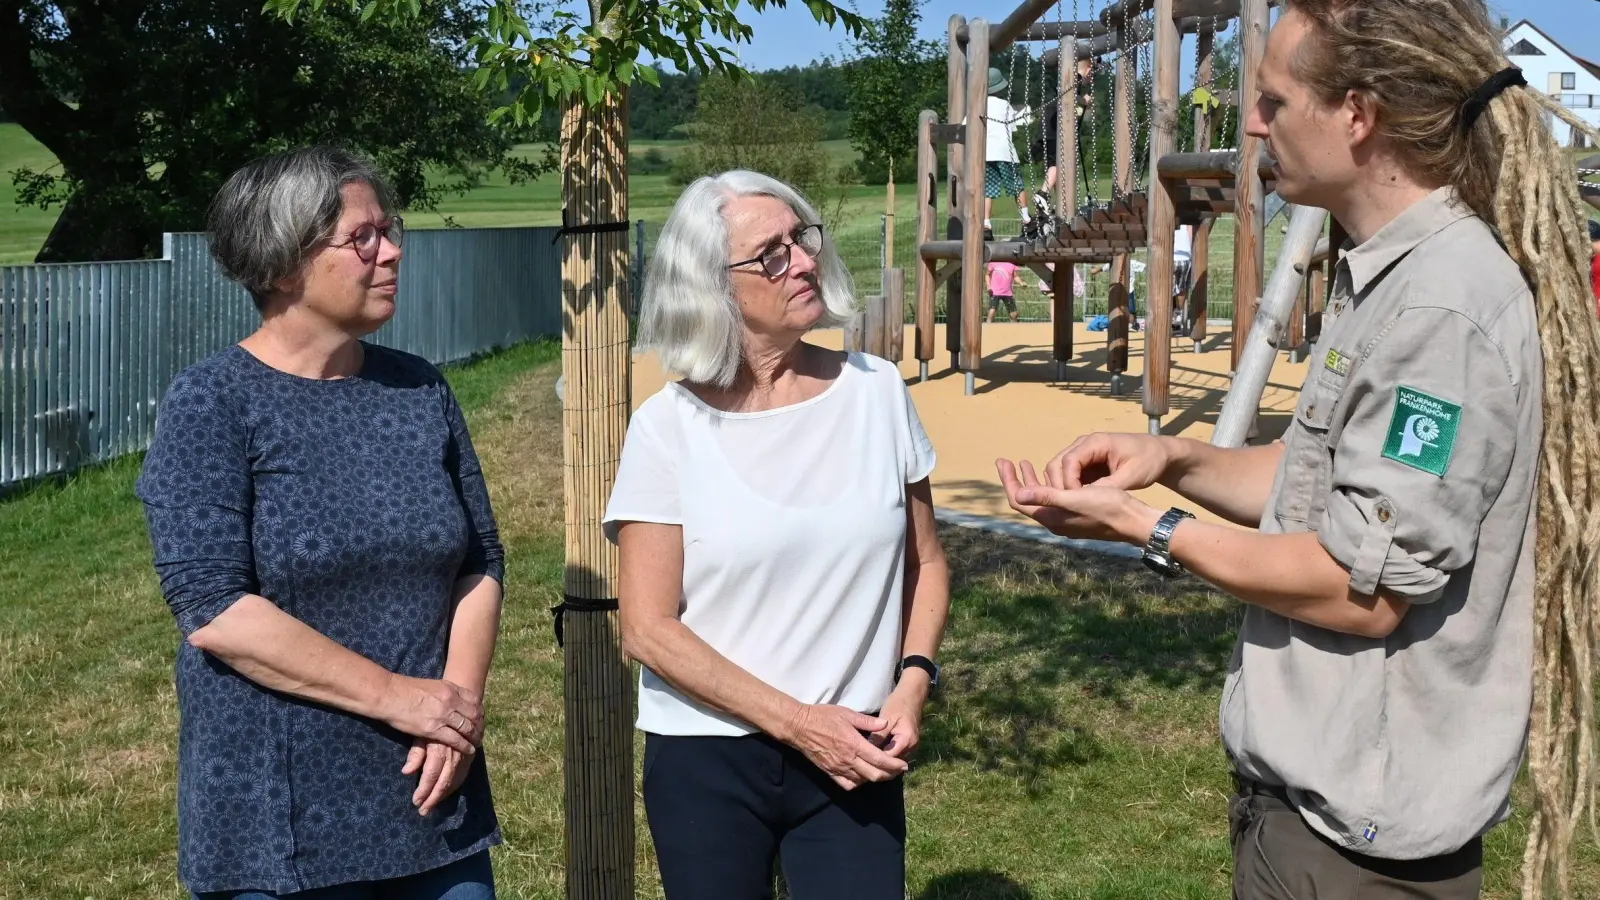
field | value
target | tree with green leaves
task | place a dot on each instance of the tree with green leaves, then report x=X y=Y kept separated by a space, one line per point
x=891 y=77
x=149 y=106
x=757 y=123
x=586 y=68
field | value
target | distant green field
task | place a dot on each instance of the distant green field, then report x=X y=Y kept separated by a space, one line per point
x=495 y=204
x=499 y=204
x=22 y=229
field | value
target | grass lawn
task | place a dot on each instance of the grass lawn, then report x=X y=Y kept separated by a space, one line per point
x=1072 y=752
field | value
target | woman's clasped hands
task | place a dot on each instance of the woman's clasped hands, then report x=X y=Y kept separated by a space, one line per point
x=446 y=723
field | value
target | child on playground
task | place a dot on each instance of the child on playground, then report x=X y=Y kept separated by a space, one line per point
x=1002 y=288
x=1002 y=172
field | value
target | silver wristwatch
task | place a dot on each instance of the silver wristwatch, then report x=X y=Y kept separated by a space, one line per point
x=1158 y=552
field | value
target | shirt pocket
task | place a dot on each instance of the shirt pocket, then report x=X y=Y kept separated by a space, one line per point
x=1309 y=469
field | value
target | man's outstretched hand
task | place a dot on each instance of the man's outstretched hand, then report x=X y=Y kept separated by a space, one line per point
x=1126 y=461
x=1097 y=511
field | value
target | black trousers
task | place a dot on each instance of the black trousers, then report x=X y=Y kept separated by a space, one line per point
x=1276 y=856
x=722 y=810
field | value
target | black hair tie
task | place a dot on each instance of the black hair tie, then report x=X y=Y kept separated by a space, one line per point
x=1481 y=98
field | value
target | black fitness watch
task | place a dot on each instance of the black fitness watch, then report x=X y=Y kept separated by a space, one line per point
x=919 y=662
x=1158 y=552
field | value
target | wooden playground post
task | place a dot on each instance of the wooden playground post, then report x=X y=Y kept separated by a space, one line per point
x=1200 y=252
x=956 y=97
x=1065 y=200
x=1249 y=259
x=1297 y=324
x=598 y=680
x=927 y=210
x=1162 y=218
x=894 y=314
x=1317 y=302
x=1121 y=270
x=973 y=250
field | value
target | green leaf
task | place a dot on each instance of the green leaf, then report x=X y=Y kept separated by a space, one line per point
x=650 y=76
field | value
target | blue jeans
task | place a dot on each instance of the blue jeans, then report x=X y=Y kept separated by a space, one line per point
x=465 y=879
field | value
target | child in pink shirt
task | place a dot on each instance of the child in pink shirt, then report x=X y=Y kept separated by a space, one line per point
x=1002 y=281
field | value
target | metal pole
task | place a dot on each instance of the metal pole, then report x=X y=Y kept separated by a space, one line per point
x=1243 y=402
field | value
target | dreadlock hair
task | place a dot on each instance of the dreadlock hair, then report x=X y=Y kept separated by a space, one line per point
x=1420 y=61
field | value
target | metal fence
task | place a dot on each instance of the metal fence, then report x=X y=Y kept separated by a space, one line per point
x=88 y=349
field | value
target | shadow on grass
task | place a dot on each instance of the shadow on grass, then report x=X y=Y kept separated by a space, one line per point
x=1047 y=647
x=980 y=885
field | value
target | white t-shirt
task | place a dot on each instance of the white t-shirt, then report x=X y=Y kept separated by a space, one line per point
x=1001 y=121
x=794 y=531
x=1182 y=243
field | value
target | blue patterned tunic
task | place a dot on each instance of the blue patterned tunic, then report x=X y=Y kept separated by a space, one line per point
x=353 y=504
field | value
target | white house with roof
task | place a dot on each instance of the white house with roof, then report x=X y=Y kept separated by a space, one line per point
x=1559 y=72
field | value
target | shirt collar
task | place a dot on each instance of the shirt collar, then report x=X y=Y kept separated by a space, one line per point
x=1426 y=218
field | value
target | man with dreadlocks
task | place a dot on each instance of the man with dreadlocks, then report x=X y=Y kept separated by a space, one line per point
x=1421 y=584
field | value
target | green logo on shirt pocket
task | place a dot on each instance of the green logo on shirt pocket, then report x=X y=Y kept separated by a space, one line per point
x=1422 y=433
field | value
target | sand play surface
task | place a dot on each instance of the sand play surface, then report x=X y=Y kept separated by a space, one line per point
x=1021 y=412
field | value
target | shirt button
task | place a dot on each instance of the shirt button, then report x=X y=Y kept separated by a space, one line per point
x=1311 y=411
x=1383 y=514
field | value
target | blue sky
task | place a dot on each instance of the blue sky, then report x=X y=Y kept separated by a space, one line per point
x=788 y=37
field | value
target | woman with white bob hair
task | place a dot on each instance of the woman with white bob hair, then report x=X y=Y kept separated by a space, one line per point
x=781 y=580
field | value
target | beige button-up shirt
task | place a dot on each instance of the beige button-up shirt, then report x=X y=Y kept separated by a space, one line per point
x=1413 y=455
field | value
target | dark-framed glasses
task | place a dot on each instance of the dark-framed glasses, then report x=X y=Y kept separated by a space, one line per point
x=775 y=259
x=368 y=237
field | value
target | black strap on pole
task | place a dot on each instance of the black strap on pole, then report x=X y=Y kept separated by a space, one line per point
x=593 y=228
x=570 y=603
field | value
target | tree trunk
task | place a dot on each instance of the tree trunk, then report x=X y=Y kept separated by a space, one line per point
x=598 y=683
x=98 y=232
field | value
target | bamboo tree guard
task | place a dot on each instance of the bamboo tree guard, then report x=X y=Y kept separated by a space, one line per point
x=1065 y=201
x=1163 y=219
x=973 y=251
x=1249 y=259
x=1200 y=251
x=956 y=96
x=927 y=209
x=598 y=679
x=1121 y=271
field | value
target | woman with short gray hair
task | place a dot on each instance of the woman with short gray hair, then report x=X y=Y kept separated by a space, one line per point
x=781 y=580
x=326 y=544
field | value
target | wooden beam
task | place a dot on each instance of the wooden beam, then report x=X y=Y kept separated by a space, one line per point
x=1115 y=14
x=1055 y=31
x=1090 y=49
x=1220 y=166
x=955 y=165
x=1127 y=78
x=972 y=272
x=1003 y=35
x=1065 y=202
x=1205 y=126
x=1163 y=220
x=927 y=223
x=1248 y=193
